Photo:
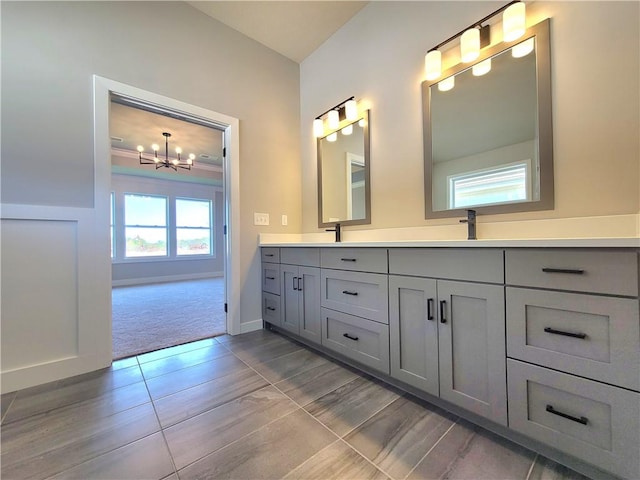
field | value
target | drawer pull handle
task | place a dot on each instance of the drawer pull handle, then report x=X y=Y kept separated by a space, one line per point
x=573 y=271
x=350 y=337
x=566 y=334
x=268 y=254
x=430 y=309
x=581 y=420
x=271 y=309
x=348 y=259
x=271 y=278
x=443 y=305
x=347 y=292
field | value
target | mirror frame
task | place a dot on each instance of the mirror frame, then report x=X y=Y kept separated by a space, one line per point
x=367 y=175
x=544 y=124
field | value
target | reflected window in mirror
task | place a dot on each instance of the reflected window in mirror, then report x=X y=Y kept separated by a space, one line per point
x=488 y=132
x=343 y=175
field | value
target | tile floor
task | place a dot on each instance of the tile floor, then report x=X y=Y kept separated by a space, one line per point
x=254 y=406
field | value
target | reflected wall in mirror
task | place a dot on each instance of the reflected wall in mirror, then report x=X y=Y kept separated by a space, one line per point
x=488 y=133
x=343 y=175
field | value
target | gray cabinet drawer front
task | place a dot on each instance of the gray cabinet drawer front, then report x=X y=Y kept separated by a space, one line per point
x=589 y=420
x=476 y=265
x=270 y=254
x=271 y=308
x=362 y=340
x=271 y=278
x=356 y=259
x=309 y=257
x=362 y=294
x=609 y=272
x=591 y=336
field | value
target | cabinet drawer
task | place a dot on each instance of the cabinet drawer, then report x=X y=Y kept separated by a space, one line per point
x=477 y=264
x=308 y=257
x=270 y=254
x=271 y=278
x=271 y=308
x=595 y=422
x=362 y=294
x=591 y=336
x=362 y=340
x=357 y=259
x=596 y=271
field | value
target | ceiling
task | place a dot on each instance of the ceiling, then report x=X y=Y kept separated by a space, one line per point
x=292 y=28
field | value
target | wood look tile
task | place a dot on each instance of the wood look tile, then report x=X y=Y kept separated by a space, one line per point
x=124 y=363
x=470 y=452
x=545 y=469
x=7 y=399
x=270 y=452
x=145 y=458
x=196 y=400
x=182 y=360
x=397 y=437
x=191 y=376
x=168 y=352
x=47 y=444
x=263 y=352
x=337 y=461
x=348 y=406
x=256 y=337
x=199 y=436
x=290 y=365
x=315 y=382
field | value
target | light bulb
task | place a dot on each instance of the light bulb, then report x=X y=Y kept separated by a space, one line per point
x=332 y=137
x=155 y=147
x=192 y=157
x=433 y=64
x=481 y=68
x=156 y=160
x=334 y=119
x=140 y=148
x=190 y=161
x=318 y=128
x=470 y=45
x=178 y=150
x=513 y=22
x=174 y=161
x=351 y=110
x=362 y=123
x=523 y=49
x=348 y=130
x=447 y=84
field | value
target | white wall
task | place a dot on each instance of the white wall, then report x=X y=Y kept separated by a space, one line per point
x=379 y=57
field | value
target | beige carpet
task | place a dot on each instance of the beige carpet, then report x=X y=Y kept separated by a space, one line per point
x=151 y=317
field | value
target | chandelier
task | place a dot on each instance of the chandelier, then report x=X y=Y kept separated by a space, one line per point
x=167 y=162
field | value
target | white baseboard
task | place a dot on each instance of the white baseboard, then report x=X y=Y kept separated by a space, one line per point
x=251 y=326
x=165 y=278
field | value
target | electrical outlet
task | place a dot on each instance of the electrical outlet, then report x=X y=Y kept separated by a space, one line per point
x=285 y=221
x=261 y=219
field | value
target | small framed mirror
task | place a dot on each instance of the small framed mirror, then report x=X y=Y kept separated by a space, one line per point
x=487 y=131
x=344 y=187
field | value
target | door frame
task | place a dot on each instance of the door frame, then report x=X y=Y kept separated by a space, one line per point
x=103 y=88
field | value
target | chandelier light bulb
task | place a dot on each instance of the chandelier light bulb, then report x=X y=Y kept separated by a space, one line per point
x=178 y=150
x=140 y=148
x=514 y=22
x=433 y=64
x=332 y=137
x=523 y=49
x=155 y=147
x=447 y=84
x=192 y=157
x=334 y=119
x=481 y=68
x=156 y=159
x=351 y=110
x=470 y=45
x=174 y=161
x=318 y=128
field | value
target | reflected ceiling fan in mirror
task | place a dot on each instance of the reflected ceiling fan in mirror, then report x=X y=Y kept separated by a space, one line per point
x=167 y=162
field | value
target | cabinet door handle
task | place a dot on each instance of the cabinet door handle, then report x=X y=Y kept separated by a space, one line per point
x=430 y=309
x=347 y=292
x=271 y=278
x=294 y=283
x=268 y=254
x=350 y=337
x=348 y=259
x=443 y=305
x=271 y=309
x=300 y=285
x=581 y=420
x=572 y=271
x=566 y=334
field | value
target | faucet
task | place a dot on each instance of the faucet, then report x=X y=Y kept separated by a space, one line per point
x=337 y=230
x=471 y=224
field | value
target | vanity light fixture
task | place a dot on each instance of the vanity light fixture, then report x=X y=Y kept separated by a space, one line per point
x=447 y=84
x=523 y=49
x=476 y=37
x=481 y=68
x=167 y=162
x=348 y=109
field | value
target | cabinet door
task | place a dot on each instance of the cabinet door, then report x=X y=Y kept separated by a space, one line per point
x=471 y=333
x=309 y=306
x=413 y=332
x=290 y=316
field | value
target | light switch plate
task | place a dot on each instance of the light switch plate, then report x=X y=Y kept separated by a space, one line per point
x=285 y=220
x=261 y=219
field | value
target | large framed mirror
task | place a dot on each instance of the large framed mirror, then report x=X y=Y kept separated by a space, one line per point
x=344 y=187
x=488 y=142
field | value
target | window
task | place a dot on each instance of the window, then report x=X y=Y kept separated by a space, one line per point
x=193 y=227
x=510 y=183
x=145 y=225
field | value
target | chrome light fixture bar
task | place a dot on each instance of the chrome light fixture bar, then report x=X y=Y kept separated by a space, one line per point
x=347 y=109
x=167 y=162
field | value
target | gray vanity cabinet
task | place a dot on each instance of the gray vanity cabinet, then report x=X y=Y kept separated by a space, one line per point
x=413 y=332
